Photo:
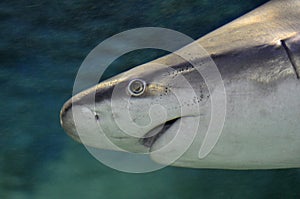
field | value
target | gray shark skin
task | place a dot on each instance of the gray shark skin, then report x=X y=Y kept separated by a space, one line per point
x=258 y=56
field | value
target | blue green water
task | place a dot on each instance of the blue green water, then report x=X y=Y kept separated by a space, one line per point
x=42 y=44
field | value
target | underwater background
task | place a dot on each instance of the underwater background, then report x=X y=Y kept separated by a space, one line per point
x=42 y=45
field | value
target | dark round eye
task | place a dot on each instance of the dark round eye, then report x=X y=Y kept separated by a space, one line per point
x=136 y=87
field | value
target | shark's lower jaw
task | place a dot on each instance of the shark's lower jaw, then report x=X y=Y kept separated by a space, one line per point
x=149 y=139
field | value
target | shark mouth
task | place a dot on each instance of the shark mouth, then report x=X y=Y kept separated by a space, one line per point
x=149 y=139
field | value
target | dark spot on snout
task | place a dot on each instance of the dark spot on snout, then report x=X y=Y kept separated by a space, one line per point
x=97 y=117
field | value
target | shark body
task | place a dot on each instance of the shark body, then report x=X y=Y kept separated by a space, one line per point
x=258 y=56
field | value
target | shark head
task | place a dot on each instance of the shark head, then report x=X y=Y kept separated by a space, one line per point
x=133 y=110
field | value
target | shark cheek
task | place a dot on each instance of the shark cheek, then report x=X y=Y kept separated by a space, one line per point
x=175 y=141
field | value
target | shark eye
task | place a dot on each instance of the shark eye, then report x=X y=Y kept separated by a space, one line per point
x=136 y=87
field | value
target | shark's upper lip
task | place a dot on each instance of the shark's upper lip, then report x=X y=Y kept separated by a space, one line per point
x=149 y=139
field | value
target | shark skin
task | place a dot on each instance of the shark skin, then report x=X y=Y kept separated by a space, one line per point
x=258 y=57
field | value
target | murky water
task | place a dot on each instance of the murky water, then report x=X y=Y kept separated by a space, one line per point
x=41 y=48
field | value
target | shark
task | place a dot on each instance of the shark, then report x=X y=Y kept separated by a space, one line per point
x=164 y=108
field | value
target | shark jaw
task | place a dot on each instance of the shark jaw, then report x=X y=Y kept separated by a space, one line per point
x=84 y=126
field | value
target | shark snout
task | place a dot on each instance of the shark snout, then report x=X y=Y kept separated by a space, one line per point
x=67 y=120
x=84 y=101
x=86 y=113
